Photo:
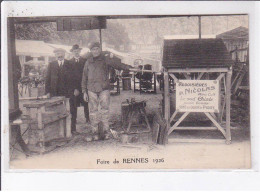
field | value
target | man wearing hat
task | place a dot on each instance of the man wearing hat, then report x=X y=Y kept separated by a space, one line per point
x=57 y=76
x=76 y=96
x=96 y=84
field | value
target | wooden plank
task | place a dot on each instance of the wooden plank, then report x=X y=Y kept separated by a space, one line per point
x=130 y=121
x=222 y=110
x=166 y=98
x=196 y=128
x=54 y=118
x=154 y=82
x=146 y=120
x=166 y=103
x=237 y=76
x=196 y=70
x=220 y=76
x=213 y=115
x=216 y=123
x=200 y=75
x=61 y=128
x=239 y=81
x=186 y=76
x=178 y=122
x=224 y=103
x=225 y=88
x=219 y=102
x=174 y=77
x=68 y=119
x=134 y=83
x=173 y=115
x=199 y=17
x=39 y=117
x=195 y=140
x=228 y=103
x=243 y=87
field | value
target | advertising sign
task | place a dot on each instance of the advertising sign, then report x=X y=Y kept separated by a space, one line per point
x=197 y=96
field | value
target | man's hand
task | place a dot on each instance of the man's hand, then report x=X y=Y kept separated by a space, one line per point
x=85 y=97
x=111 y=55
x=76 y=92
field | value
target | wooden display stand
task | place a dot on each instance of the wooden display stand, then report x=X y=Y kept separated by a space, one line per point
x=49 y=118
x=198 y=60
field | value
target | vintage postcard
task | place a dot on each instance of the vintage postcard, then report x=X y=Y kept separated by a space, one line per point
x=128 y=92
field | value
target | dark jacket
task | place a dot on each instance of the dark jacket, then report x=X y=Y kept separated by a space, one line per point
x=76 y=72
x=56 y=81
x=96 y=72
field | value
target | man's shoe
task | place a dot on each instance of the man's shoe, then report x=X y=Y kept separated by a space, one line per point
x=75 y=133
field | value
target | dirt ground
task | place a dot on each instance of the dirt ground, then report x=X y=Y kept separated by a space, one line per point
x=177 y=154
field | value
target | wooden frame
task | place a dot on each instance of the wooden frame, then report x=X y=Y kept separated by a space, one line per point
x=223 y=77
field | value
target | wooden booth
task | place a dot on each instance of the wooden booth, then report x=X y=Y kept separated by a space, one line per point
x=201 y=70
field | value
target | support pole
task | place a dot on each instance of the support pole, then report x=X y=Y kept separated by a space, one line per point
x=228 y=103
x=14 y=110
x=166 y=101
x=199 y=27
x=100 y=37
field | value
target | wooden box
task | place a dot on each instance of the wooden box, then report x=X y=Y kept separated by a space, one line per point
x=49 y=117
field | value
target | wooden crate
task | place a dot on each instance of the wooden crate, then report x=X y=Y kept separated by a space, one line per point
x=49 y=118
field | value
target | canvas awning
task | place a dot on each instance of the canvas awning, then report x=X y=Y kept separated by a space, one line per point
x=33 y=48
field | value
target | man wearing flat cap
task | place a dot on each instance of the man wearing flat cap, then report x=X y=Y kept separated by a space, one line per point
x=76 y=97
x=96 y=84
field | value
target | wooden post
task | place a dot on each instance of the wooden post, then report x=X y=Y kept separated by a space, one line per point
x=199 y=27
x=61 y=127
x=220 y=101
x=22 y=61
x=228 y=103
x=154 y=82
x=166 y=101
x=100 y=38
x=46 y=60
x=14 y=110
x=40 y=111
x=68 y=119
x=134 y=83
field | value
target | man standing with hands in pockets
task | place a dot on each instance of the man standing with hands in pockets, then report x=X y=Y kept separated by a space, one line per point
x=96 y=85
x=76 y=98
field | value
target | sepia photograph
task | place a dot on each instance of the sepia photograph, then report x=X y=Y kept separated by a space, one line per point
x=129 y=92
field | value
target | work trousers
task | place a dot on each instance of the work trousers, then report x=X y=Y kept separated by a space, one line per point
x=99 y=109
x=75 y=102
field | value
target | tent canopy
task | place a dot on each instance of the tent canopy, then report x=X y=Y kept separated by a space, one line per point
x=33 y=48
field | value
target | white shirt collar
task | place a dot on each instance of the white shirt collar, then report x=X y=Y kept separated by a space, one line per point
x=76 y=59
x=61 y=62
